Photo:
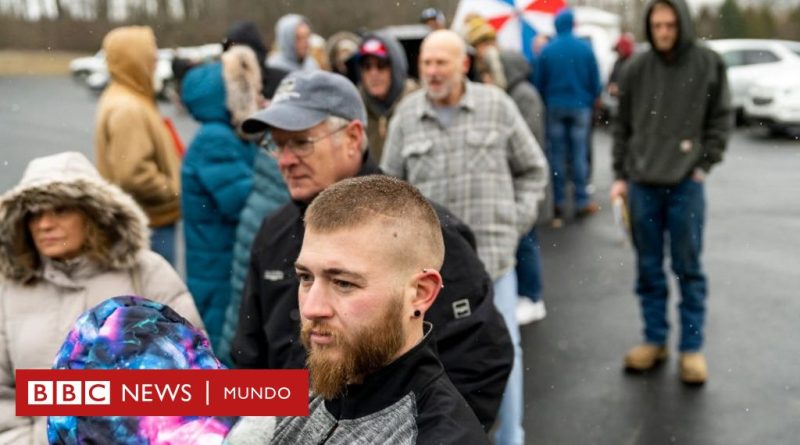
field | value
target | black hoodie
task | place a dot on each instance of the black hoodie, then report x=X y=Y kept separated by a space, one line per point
x=674 y=112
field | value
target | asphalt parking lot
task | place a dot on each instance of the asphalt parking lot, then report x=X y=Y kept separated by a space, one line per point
x=576 y=392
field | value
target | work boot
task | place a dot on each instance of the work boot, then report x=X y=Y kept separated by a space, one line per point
x=645 y=356
x=693 y=368
x=558 y=218
x=587 y=210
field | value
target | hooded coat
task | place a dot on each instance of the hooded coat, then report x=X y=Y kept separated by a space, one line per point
x=269 y=193
x=380 y=111
x=285 y=58
x=133 y=147
x=674 y=109
x=135 y=333
x=528 y=100
x=566 y=71
x=246 y=33
x=40 y=298
x=217 y=176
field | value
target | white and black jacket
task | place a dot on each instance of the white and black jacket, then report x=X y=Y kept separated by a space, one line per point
x=410 y=401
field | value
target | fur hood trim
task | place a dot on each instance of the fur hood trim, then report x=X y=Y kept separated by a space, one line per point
x=242 y=83
x=67 y=179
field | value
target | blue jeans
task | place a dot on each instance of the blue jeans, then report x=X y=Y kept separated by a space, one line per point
x=162 y=242
x=679 y=212
x=568 y=132
x=529 y=270
x=510 y=431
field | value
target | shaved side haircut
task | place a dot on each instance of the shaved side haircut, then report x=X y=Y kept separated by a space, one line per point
x=386 y=200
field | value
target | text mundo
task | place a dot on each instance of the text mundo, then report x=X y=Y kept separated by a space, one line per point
x=192 y=392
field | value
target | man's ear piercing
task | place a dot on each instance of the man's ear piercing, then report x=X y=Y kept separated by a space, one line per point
x=417 y=313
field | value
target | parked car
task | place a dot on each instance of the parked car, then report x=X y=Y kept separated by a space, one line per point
x=749 y=60
x=773 y=101
x=94 y=72
x=83 y=67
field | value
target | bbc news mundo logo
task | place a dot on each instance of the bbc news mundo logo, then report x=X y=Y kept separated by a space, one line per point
x=162 y=392
x=75 y=392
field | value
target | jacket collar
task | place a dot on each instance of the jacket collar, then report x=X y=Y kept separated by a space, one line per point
x=70 y=274
x=467 y=102
x=411 y=372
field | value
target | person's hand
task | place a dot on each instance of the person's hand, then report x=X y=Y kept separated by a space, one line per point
x=619 y=189
x=698 y=175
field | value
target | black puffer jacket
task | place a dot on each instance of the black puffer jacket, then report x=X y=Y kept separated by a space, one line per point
x=470 y=335
x=410 y=401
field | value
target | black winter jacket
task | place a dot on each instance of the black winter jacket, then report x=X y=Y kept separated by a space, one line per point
x=410 y=401
x=470 y=335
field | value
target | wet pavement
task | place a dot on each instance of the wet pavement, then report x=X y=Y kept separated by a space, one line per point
x=576 y=392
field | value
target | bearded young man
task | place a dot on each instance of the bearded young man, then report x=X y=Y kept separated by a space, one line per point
x=368 y=272
x=317 y=124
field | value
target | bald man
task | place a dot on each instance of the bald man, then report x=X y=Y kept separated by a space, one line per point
x=466 y=146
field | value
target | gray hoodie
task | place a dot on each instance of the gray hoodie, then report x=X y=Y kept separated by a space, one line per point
x=285 y=58
x=674 y=111
x=528 y=100
x=380 y=111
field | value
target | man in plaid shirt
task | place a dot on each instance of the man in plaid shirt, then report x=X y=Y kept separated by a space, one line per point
x=465 y=145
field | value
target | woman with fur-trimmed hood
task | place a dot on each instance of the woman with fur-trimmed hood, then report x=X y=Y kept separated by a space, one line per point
x=217 y=175
x=68 y=240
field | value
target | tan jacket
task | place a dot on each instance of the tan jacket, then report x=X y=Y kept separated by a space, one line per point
x=133 y=146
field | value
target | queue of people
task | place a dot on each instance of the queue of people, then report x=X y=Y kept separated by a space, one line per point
x=379 y=232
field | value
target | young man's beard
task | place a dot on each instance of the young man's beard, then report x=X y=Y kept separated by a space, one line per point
x=358 y=354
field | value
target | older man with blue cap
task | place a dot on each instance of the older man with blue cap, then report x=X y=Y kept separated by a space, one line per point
x=317 y=126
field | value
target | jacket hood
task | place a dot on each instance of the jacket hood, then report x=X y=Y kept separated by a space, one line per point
x=131 y=57
x=516 y=68
x=247 y=33
x=686 y=33
x=285 y=30
x=399 y=64
x=342 y=40
x=136 y=333
x=565 y=21
x=226 y=91
x=67 y=179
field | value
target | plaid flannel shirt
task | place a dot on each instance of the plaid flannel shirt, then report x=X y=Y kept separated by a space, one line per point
x=485 y=167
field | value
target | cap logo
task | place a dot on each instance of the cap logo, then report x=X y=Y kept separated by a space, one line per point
x=286 y=91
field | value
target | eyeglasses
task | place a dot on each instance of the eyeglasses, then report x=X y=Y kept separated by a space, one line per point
x=299 y=147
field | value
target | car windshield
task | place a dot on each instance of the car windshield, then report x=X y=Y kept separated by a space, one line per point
x=793 y=47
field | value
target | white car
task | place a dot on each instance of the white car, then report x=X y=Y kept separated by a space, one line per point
x=94 y=71
x=749 y=59
x=774 y=100
x=83 y=67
